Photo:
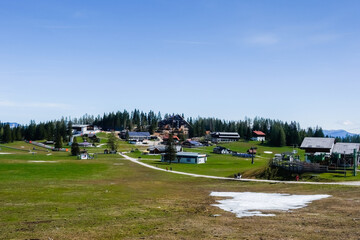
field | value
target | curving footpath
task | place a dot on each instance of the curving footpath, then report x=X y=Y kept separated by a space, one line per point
x=134 y=160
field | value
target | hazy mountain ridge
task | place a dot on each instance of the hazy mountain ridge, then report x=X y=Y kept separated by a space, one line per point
x=338 y=133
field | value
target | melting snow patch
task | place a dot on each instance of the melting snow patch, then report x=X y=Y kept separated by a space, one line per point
x=267 y=152
x=4 y=153
x=247 y=204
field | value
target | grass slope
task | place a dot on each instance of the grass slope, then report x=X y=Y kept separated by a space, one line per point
x=112 y=198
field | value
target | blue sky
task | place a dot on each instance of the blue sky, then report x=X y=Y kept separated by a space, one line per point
x=287 y=60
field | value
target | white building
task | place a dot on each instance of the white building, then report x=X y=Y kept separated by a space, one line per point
x=187 y=157
x=217 y=137
x=258 y=136
x=80 y=129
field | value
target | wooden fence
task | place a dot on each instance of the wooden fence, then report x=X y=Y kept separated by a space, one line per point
x=300 y=167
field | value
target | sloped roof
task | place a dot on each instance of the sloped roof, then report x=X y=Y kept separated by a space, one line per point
x=259 y=133
x=189 y=154
x=317 y=142
x=175 y=121
x=139 y=134
x=348 y=148
x=225 y=135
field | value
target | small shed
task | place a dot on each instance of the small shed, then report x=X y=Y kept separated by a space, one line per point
x=221 y=150
x=344 y=152
x=83 y=155
x=187 y=157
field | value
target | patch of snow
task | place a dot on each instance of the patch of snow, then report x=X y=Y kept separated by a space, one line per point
x=247 y=204
x=268 y=152
x=4 y=153
x=48 y=154
x=42 y=161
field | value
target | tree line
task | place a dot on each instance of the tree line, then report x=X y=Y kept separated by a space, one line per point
x=58 y=131
x=278 y=133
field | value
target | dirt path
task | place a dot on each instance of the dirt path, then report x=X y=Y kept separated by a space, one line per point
x=355 y=183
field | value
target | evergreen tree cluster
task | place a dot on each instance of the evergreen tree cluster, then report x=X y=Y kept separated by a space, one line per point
x=134 y=120
x=278 y=133
x=52 y=131
x=348 y=138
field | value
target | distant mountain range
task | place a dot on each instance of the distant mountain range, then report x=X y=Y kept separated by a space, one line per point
x=12 y=124
x=338 y=133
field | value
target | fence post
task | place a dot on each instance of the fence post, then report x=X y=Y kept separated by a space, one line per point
x=355 y=162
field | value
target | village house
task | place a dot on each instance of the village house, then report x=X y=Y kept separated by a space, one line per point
x=258 y=136
x=79 y=129
x=187 y=157
x=217 y=137
x=139 y=136
x=158 y=149
x=344 y=153
x=191 y=143
x=175 y=124
x=221 y=150
x=317 y=147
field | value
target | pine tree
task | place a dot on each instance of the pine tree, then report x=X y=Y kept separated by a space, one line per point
x=7 y=137
x=170 y=152
x=282 y=137
x=113 y=142
x=58 y=141
x=69 y=130
x=75 y=150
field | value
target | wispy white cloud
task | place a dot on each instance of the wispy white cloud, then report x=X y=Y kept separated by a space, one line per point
x=32 y=104
x=263 y=39
x=347 y=123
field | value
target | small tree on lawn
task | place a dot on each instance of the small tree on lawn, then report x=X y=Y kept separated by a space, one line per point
x=113 y=142
x=58 y=141
x=170 y=152
x=75 y=150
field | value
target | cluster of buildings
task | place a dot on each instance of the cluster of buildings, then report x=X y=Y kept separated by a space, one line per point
x=319 y=149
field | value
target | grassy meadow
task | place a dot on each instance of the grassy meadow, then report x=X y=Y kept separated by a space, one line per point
x=52 y=195
x=112 y=198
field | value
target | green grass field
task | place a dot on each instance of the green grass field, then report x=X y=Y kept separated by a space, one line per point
x=112 y=198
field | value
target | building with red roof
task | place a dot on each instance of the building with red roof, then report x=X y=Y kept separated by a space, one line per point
x=258 y=136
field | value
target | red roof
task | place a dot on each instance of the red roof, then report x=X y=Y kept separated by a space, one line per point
x=174 y=137
x=259 y=133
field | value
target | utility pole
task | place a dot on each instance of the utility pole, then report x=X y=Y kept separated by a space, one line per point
x=252 y=155
x=355 y=162
x=344 y=165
